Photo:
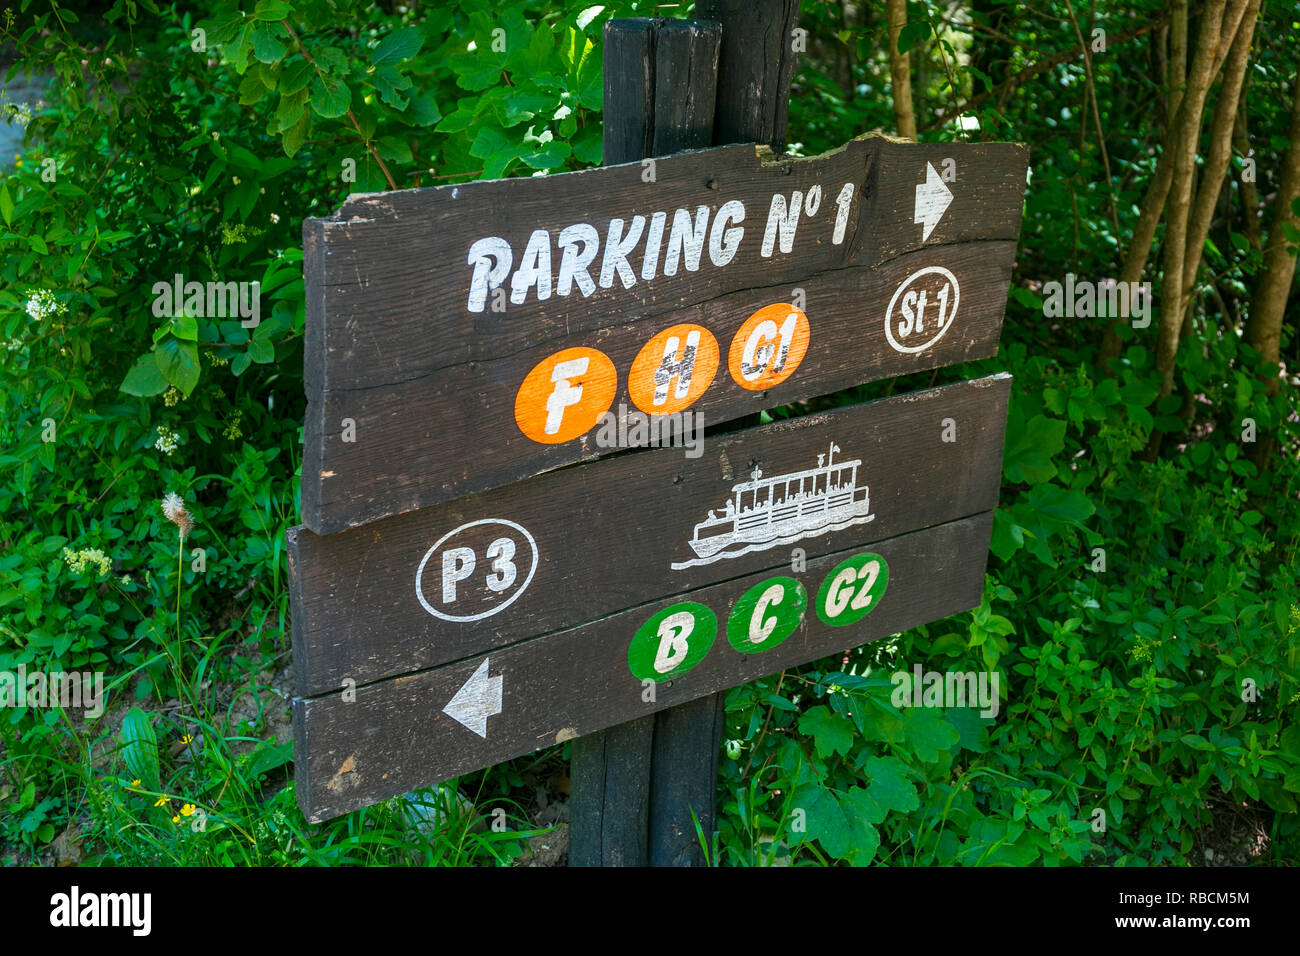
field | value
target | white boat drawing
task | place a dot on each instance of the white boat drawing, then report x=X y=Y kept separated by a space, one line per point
x=765 y=512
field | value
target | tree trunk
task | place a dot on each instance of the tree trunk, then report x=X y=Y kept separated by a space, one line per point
x=1188 y=128
x=900 y=71
x=1264 y=328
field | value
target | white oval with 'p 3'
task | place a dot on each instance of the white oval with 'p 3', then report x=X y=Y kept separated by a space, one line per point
x=477 y=570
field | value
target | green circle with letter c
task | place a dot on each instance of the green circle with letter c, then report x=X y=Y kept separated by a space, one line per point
x=766 y=615
x=672 y=642
x=852 y=590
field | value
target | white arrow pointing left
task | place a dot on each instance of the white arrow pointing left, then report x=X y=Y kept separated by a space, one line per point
x=932 y=199
x=477 y=700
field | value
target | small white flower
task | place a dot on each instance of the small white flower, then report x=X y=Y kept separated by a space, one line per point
x=168 y=441
x=275 y=217
x=42 y=305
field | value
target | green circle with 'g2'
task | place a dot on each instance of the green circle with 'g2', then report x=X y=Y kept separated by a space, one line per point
x=672 y=642
x=852 y=590
x=766 y=615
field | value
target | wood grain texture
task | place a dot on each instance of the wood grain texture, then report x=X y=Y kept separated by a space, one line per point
x=754 y=69
x=395 y=736
x=430 y=386
x=607 y=532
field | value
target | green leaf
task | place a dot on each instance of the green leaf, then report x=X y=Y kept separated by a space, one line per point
x=397 y=46
x=1062 y=504
x=6 y=206
x=831 y=733
x=296 y=76
x=261 y=351
x=890 y=787
x=840 y=822
x=266 y=47
x=928 y=734
x=145 y=377
x=550 y=156
x=185 y=327
x=296 y=135
x=1030 y=447
x=179 y=362
x=272 y=10
x=330 y=103
x=140 y=748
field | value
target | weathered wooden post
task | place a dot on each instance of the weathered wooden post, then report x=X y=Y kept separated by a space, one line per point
x=624 y=805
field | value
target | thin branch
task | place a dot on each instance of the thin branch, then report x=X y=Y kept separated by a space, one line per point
x=392 y=183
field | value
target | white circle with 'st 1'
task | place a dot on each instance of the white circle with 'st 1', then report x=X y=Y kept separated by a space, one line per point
x=484 y=567
x=926 y=305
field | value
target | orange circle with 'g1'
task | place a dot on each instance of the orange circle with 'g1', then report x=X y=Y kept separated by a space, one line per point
x=673 y=369
x=565 y=395
x=769 y=347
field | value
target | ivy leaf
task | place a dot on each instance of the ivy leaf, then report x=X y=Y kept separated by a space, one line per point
x=145 y=378
x=397 y=46
x=928 y=735
x=330 y=103
x=890 y=787
x=1030 y=447
x=841 y=823
x=179 y=362
x=831 y=733
x=1064 y=505
x=550 y=156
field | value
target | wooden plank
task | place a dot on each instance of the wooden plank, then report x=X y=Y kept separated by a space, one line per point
x=405 y=381
x=419 y=729
x=422 y=442
x=608 y=535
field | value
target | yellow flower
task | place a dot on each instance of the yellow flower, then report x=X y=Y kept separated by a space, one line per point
x=135 y=783
x=187 y=810
x=161 y=801
x=187 y=739
x=176 y=819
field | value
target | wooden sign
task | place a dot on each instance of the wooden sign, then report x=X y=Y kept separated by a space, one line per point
x=413 y=731
x=464 y=337
x=445 y=583
x=431 y=644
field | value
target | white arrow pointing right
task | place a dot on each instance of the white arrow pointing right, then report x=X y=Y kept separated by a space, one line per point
x=932 y=199
x=477 y=700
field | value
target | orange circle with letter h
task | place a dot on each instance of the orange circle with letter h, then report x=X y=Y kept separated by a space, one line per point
x=769 y=346
x=673 y=369
x=565 y=395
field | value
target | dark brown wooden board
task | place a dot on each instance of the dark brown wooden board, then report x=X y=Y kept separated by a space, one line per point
x=422 y=442
x=429 y=386
x=396 y=735
x=608 y=532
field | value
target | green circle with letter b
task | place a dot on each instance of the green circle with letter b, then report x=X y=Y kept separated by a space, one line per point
x=766 y=615
x=672 y=642
x=852 y=590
